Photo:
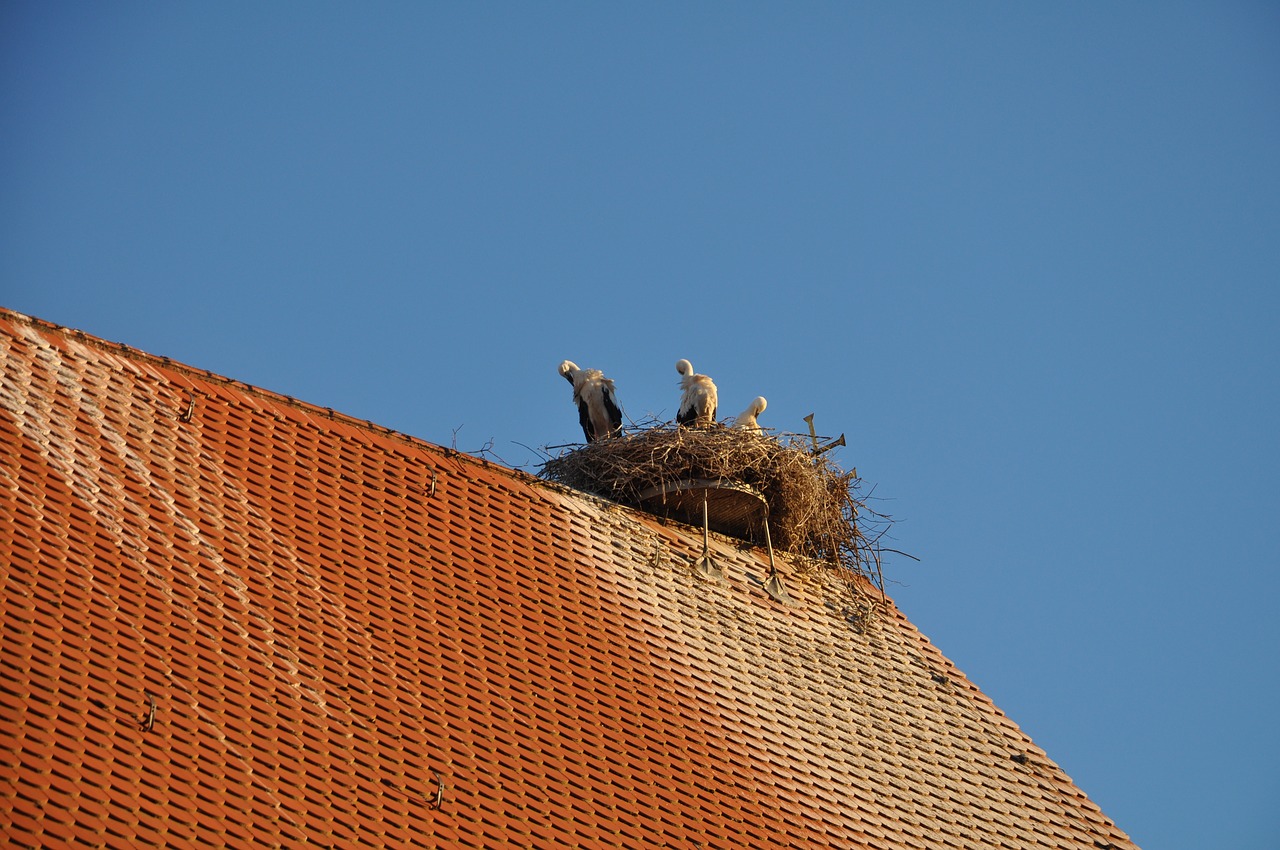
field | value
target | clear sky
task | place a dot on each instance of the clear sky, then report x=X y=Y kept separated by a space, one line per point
x=1025 y=256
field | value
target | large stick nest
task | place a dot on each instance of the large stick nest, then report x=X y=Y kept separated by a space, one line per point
x=814 y=509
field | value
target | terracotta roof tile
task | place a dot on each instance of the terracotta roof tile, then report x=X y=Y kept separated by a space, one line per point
x=338 y=623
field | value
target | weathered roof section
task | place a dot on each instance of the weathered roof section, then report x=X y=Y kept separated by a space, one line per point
x=232 y=618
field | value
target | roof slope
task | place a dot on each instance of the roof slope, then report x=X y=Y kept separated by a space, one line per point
x=347 y=633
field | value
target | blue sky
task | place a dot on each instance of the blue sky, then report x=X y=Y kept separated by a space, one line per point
x=1025 y=256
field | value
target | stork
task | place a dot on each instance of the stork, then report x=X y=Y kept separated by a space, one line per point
x=747 y=418
x=697 y=399
x=593 y=393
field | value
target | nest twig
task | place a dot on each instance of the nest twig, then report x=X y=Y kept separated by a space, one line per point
x=814 y=508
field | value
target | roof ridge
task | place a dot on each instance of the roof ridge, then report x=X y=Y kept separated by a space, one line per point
x=138 y=355
x=337 y=416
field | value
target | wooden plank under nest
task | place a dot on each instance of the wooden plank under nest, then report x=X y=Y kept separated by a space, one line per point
x=733 y=508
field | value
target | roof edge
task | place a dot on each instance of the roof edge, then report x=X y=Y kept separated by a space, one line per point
x=138 y=355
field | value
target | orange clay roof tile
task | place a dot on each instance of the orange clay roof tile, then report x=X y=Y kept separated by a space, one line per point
x=349 y=634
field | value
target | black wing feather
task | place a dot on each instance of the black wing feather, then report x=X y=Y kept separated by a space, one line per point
x=615 y=413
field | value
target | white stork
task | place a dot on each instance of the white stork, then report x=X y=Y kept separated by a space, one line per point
x=698 y=399
x=593 y=393
x=747 y=418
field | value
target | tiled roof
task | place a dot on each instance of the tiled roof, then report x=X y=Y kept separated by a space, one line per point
x=349 y=634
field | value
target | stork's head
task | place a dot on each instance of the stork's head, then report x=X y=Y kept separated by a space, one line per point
x=684 y=367
x=757 y=407
x=567 y=369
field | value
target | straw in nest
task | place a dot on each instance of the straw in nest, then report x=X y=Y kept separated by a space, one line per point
x=814 y=511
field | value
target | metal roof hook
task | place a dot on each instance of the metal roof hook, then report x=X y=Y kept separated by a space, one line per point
x=706 y=566
x=773 y=582
x=438 y=801
x=148 y=718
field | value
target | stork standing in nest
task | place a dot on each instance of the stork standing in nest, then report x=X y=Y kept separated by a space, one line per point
x=746 y=420
x=697 y=399
x=593 y=393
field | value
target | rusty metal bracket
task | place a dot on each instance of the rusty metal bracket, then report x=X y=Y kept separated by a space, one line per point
x=813 y=438
x=838 y=441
